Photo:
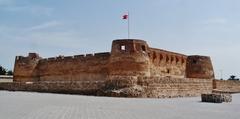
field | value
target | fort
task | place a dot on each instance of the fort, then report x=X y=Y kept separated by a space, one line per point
x=131 y=69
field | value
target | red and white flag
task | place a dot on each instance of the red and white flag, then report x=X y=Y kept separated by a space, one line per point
x=125 y=16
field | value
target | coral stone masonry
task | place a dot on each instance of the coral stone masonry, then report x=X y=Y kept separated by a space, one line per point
x=128 y=58
x=131 y=69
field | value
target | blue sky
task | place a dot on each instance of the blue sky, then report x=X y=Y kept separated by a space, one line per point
x=70 y=27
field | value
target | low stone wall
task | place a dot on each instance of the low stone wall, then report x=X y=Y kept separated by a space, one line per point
x=159 y=87
x=174 y=87
x=68 y=87
x=153 y=87
x=226 y=86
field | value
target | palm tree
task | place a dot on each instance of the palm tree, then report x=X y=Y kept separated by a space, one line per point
x=3 y=71
x=233 y=77
x=10 y=72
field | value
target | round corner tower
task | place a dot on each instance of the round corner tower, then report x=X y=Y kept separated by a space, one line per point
x=199 y=67
x=129 y=57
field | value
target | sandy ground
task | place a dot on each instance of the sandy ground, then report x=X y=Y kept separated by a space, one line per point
x=26 y=105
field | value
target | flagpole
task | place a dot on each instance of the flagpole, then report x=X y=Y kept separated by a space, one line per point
x=128 y=25
x=126 y=17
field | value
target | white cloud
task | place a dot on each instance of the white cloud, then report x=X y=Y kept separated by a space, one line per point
x=215 y=21
x=13 y=6
x=42 y=35
x=45 y=25
x=35 y=10
x=61 y=39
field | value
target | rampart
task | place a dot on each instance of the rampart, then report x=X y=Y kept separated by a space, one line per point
x=132 y=68
x=70 y=68
x=154 y=87
x=158 y=87
x=67 y=87
x=127 y=58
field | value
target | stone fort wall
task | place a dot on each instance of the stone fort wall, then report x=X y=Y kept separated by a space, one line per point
x=130 y=64
x=127 y=58
x=79 y=67
x=158 y=87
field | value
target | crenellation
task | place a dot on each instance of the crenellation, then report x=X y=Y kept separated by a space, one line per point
x=89 y=55
x=44 y=60
x=51 y=59
x=79 y=56
x=68 y=58
x=19 y=57
x=60 y=57
x=102 y=54
x=84 y=58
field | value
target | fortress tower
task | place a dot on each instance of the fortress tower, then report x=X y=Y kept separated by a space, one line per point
x=199 y=67
x=129 y=57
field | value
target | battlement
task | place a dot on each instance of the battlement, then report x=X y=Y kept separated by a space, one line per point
x=159 y=55
x=81 y=57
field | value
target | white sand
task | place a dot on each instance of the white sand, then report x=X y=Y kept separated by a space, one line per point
x=26 y=105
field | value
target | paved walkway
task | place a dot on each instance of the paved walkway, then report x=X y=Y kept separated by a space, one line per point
x=26 y=105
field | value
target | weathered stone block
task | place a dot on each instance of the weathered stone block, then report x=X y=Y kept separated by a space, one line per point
x=217 y=98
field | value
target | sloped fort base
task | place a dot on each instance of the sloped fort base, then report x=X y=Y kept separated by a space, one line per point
x=142 y=87
x=132 y=68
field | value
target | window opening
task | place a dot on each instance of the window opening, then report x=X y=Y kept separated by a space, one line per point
x=168 y=71
x=194 y=61
x=123 y=47
x=143 y=48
